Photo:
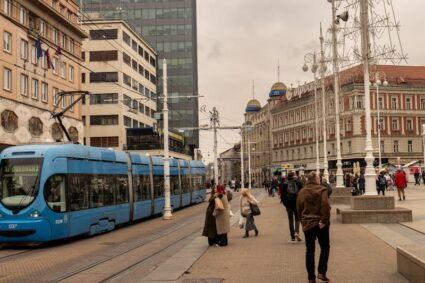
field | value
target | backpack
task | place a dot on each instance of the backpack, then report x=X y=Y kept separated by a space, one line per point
x=292 y=190
x=382 y=180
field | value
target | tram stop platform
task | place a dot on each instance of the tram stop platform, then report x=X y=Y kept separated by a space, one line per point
x=359 y=252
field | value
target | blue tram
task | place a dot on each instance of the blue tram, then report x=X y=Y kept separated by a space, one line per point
x=58 y=191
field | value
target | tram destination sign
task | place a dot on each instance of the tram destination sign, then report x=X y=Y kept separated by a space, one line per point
x=21 y=169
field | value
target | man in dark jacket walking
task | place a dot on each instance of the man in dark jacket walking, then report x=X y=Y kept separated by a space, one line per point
x=288 y=195
x=314 y=212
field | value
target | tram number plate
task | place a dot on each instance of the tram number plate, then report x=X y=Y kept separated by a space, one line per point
x=13 y=226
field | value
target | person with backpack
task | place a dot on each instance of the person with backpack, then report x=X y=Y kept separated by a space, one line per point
x=288 y=196
x=382 y=183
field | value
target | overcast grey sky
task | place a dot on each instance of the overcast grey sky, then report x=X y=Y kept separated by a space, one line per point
x=241 y=40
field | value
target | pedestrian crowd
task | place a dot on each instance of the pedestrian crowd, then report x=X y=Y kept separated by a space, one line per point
x=306 y=202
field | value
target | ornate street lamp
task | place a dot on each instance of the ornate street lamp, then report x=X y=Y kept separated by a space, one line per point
x=310 y=60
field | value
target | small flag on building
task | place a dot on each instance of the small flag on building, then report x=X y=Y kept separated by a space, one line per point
x=38 y=49
x=48 y=60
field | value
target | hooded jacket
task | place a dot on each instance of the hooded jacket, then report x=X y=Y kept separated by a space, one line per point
x=313 y=206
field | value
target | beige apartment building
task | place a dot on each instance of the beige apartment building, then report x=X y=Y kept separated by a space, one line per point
x=401 y=105
x=120 y=74
x=29 y=83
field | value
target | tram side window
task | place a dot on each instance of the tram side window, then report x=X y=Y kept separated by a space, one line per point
x=174 y=185
x=195 y=185
x=142 y=188
x=185 y=184
x=122 y=189
x=96 y=191
x=54 y=193
x=158 y=186
x=78 y=192
x=109 y=189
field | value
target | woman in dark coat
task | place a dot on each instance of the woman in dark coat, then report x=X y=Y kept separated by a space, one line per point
x=210 y=228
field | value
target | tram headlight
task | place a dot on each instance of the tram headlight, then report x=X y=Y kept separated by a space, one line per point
x=35 y=214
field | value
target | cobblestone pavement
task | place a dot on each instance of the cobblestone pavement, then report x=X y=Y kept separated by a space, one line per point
x=356 y=254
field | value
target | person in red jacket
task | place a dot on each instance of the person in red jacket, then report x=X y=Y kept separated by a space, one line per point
x=401 y=183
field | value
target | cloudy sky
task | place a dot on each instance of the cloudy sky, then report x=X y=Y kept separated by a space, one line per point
x=241 y=40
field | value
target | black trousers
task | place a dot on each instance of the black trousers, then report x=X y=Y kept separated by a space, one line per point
x=294 y=222
x=381 y=188
x=310 y=242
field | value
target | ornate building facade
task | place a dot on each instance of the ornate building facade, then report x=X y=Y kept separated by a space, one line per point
x=257 y=134
x=32 y=33
x=401 y=105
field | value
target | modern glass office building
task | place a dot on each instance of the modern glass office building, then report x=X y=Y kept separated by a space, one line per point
x=169 y=26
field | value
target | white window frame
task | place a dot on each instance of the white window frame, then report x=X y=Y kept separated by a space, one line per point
x=42 y=28
x=22 y=15
x=7 y=79
x=24 y=84
x=63 y=70
x=34 y=88
x=55 y=62
x=54 y=95
x=396 y=146
x=71 y=73
x=410 y=146
x=394 y=99
x=397 y=124
x=63 y=102
x=7 y=42
x=408 y=99
x=71 y=100
x=24 y=49
x=44 y=92
x=55 y=35
x=411 y=124
x=34 y=59
x=7 y=7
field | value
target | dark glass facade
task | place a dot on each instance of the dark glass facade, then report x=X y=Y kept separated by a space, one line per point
x=169 y=26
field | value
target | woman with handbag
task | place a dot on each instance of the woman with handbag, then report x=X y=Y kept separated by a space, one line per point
x=249 y=208
x=222 y=215
x=210 y=229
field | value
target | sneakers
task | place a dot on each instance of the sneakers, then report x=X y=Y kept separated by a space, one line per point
x=231 y=213
x=298 y=237
x=293 y=240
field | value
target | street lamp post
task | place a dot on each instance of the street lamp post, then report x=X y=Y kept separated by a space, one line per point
x=369 y=172
x=339 y=173
x=423 y=140
x=311 y=59
x=242 y=169
x=377 y=84
x=249 y=164
x=322 y=75
x=167 y=193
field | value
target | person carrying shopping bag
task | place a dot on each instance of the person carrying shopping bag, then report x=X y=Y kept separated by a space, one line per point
x=249 y=208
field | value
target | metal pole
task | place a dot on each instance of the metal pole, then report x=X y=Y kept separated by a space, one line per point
x=322 y=74
x=379 y=119
x=249 y=164
x=215 y=119
x=369 y=172
x=242 y=169
x=316 y=118
x=339 y=173
x=423 y=141
x=167 y=193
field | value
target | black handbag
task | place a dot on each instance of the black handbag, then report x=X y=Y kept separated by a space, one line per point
x=255 y=210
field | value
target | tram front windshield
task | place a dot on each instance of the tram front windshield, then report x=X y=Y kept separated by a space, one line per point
x=19 y=179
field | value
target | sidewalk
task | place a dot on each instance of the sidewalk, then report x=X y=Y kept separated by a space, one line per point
x=356 y=254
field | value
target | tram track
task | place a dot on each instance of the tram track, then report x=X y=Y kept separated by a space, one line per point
x=137 y=262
